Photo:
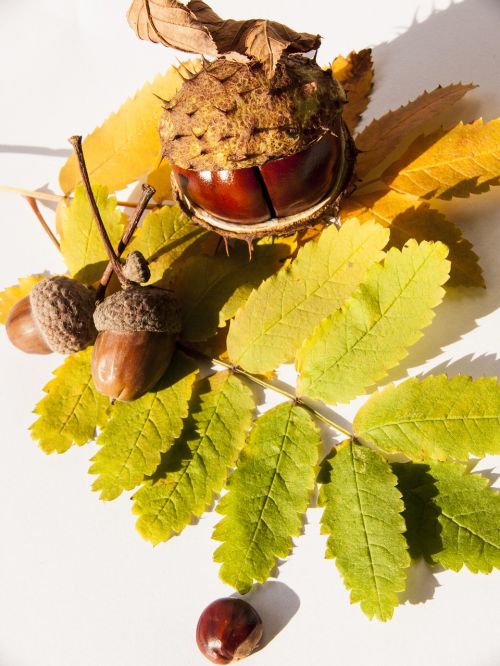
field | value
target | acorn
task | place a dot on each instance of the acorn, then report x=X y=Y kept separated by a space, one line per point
x=137 y=330
x=56 y=316
x=253 y=156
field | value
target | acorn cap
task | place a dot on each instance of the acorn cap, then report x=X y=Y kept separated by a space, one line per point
x=136 y=267
x=63 y=309
x=230 y=115
x=139 y=309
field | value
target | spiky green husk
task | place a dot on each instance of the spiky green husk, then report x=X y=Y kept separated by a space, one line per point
x=230 y=115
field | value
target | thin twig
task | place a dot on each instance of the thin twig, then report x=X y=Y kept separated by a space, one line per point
x=47 y=229
x=76 y=142
x=147 y=193
x=267 y=385
x=48 y=196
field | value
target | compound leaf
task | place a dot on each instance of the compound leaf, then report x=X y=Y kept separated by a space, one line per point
x=455 y=163
x=139 y=432
x=127 y=145
x=362 y=517
x=435 y=418
x=268 y=494
x=81 y=245
x=72 y=408
x=355 y=73
x=356 y=346
x=11 y=295
x=383 y=135
x=197 y=465
x=284 y=310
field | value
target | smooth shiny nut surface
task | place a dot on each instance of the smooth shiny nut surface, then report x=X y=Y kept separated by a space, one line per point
x=228 y=630
x=127 y=364
x=22 y=330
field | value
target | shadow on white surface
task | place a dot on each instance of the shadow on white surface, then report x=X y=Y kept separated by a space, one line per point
x=421 y=583
x=276 y=604
x=474 y=366
x=35 y=150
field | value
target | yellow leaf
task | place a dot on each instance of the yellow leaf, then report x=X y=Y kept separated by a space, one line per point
x=127 y=145
x=61 y=211
x=355 y=73
x=383 y=135
x=10 y=296
x=455 y=163
x=159 y=178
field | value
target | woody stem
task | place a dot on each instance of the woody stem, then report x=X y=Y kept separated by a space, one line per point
x=34 y=207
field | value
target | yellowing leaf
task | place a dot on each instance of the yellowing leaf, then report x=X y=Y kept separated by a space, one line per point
x=211 y=289
x=81 y=245
x=284 y=310
x=383 y=135
x=356 y=346
x=355 y=73
x=11 y=295
x=455 y=163
x=127 y=145
x=139 y=432
x=72 y=409
x=165 y=235
x=197 y=465
x=435 y=417
x=159 y=178
x=267 y=497
x=363 y=519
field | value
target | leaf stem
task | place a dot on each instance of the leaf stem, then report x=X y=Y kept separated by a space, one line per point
x=147 y=193
x=34 y=207
x=268 y=385
x=48 y=196
x=76 y=142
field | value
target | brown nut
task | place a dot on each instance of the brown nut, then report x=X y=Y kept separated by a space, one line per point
x=22 y=329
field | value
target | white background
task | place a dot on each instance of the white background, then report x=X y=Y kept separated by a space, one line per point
x=78 y=587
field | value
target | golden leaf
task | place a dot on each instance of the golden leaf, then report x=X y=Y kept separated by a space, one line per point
x=383 y=135
x=127 y=145
x=355 y=73
x=159 y=178
x=455 y=163
x=409 y=218
x=11 y=295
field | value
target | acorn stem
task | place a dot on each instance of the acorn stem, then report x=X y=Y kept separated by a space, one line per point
x=147 y=193
x=76 y=142
x=34 y=207
x=272 y=387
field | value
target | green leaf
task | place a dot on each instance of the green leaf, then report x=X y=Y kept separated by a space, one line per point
x=81 y=245
x=164 y=236
x=435 y=418
x=356 y=346
x=462 y=516
x=139 y=432
x=363 y=519
x=72 y=408
x=197 y=465
x=210 y=289
x=268 y=495
x=285 y=309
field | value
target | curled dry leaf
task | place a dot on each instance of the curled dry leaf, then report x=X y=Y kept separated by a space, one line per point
x=196 y=28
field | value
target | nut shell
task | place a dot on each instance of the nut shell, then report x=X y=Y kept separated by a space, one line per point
x=136 y=267
x=62 y=309
x=139 y=309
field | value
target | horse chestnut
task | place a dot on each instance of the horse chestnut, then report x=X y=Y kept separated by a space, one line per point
x=228 y=630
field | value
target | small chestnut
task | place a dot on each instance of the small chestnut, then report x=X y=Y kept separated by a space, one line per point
x=22 y=330
x=228 y=630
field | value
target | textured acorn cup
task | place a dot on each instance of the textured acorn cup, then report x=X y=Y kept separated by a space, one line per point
x=228 y=630
x=137 y=328
x=252 y=156
x=55 y=317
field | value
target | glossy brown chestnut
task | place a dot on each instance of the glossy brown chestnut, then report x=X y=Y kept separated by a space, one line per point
x=279 y=188
x=127 y=364
x=23 y=331
x=228 y=630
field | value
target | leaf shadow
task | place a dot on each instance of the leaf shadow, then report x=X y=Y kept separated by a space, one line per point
x=276 y=604
x=484 y=365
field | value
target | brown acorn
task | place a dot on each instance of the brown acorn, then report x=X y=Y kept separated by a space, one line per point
x=137 y=329
x=55 y=317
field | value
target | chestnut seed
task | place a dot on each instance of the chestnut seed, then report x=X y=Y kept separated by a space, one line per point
x=228 y=630
x=23 y=331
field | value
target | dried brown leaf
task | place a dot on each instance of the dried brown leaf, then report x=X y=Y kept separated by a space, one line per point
x=196 y=28
x=355 y=73
x=384 y=135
